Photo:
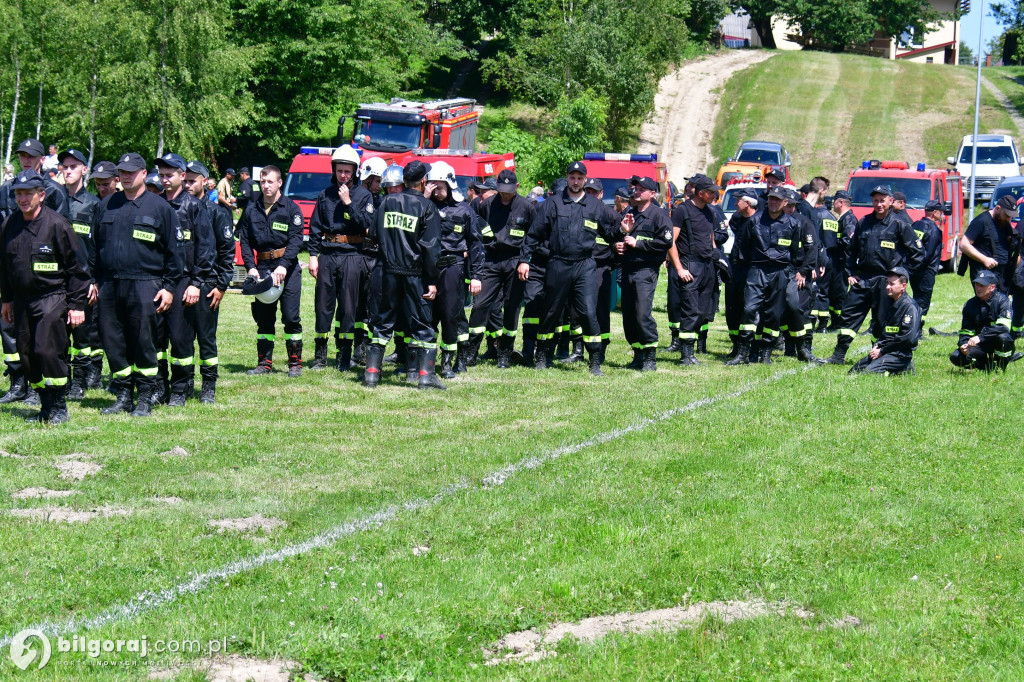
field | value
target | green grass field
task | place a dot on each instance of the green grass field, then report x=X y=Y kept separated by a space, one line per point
x=832 y=111
x=896 y=501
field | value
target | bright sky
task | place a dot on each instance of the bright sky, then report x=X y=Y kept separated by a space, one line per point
x=969 y=26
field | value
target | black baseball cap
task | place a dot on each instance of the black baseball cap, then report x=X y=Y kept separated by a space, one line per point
x=73 y=153
x=897 y=272
x=841 y=194
x=933 y=205
x=131 y=162
x=197 y=168
x=171 y=161
x=414 y=172
x=882 y=189
x=154 y=180
x=899 y=196
x=32 y=147
x=745 y=193
x=623 y=192
x=703 y=182
x=486 y=184
x=806 y=189
x=244 y=169
x=777 y=174
x=104 y=170
x=1008 y=204
x=558 y=186
x=229 y=171
x=576 y=167
x=507 y=181
x=594 y=184
x=794 y=196
x=28 y=179
x=649 y=183
x=985 y=277
x=779 y=192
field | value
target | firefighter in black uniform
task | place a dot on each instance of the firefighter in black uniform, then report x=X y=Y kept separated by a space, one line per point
x=247 y=189
x=506 y=220
x=922 y=279
x=44 y=288
x=643 y=239
x=104 y=177
x=899 y=208
x=606 y=260
x=460 y=247
x=371 y=174
x=692 y=252
x=86 y=348
x=533 y=294
x=770 y=243
x=214 y=270
x=897 y=328
x=721 y=235
x=796 y=319
x=197 y=244
x=879 y=244
x=408 y=230
x=836 y=236
x=991 y=242
x=272 y=227
x=570 y=224
x=139 y=263
x=30 y=156
x=337 y=233
x=747 y=203
x=985 y=340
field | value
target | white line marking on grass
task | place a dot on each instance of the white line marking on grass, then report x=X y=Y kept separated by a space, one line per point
x=150 y=600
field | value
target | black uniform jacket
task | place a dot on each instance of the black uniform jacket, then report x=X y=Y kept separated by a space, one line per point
x=137 y=239
x=408 y=231
x=41 y=257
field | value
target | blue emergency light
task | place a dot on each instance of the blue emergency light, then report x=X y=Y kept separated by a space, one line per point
x=865 y=165
x=325 y=150
x=636 y=158
x=920 y=167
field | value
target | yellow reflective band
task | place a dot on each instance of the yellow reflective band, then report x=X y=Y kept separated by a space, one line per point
x=594 y=339
x=183 y=362
x=888 y=245
x=280 y=227
x=830 y=225
x=487 y=232
x=634 y=345
x=360 y=326
x=531 y=320
x=517 y=233
x=144 y=236
x=428 y=346
x=44 y=267
x=601 y=242
x=673 y=325
x=463 y=337
x=688 y=336
x=477 y=330
x=400 y=221
x=967 y=332
x=1003 y=353
x=650 y=345
x=293 y=337
x=264 y=337
x=770 y=332
x=146 y=372
x=509 y=332
x=919 y=233
x=577 y=330
x=75 y=351
x=321 y=335
x=1005 y=321
x=605 y=337
x=785 y=242
x=545 y=337
x=81 y=228
x=748 y=327
x=641 y=238
x=49 y=381
x=590 y=224
x=346 y=336
x=847 y=332
x=210 y=362
x=122 y=372
x=96 y=352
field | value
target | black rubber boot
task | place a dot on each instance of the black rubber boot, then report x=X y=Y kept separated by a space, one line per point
x=838 y=356
x=702 y=342
x=343 y=361
x=492 y=349
x=505 y=351
x=765 y=354
x=529 y=349
x=577 y=350
x=791 y=344
x=43 y=415
x=412 y=364
x=144 y=406
x=401 y=359
x=742 y=353
x=676 y=344
x=163 y=394
x=543 y=358
x=122 y=399
x=822 y=325
x=94 y=373
x=294 y=358
x=735 y=347
x=177 y=399
x=359 y=348
x=473 y=349
x=427 y=375
x=805 y=352
x=319 y=354
x=265 y=358
x=58 y=406
x=686 y=356
x=76 y=389
x=562 y=346
x=18 y=390
x=650 y=357
x=208 y=393
x=374 y=360
x=459 y=365
x=638 y=360
x=447 y=360
x=594 y=351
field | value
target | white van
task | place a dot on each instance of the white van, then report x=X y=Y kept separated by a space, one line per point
x=997 y=159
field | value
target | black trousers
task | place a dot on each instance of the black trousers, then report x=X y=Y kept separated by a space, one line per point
x=174 y=328
x=1001 y=346
x=204 y=321
x=533 y=298
x=888 y=364
x=42 y=339
x=86 y=343
x=833 y=286
x=402 y=306
x=129 y=327
x=10 y=344
x=501 y=290
x=764 y=300
x=265 y=314
x=734 y=290
x=339 y=296
x=570 y=282
x=796 y=317
x=638 y=323
x=696 y=306
x=922 y=284
x=672 y=297
x=603 y=273
x=450 y=306
x=863 y=297
x=371 y=291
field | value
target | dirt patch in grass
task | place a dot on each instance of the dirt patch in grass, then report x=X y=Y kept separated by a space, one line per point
x=73 y=468
x=235 y=668
x=176 y=451
x=249 y=524
x=170 y=499
x=532 y=645
x=64 y=515
x=43 y=493
x=11 y=455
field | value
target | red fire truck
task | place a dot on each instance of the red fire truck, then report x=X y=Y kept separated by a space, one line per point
x=921 y=185
x=615 y=170
x=469 y=167
x=401 y=125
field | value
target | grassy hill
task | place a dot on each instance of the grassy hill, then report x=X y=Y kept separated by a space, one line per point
x=833 y=111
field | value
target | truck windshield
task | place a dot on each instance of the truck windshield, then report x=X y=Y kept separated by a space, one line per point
x=762 y=156
x=918 y=191
x=729 y=199
x=1002 y=154
x=384 y=133
x=306 y=185
x=610 y=186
